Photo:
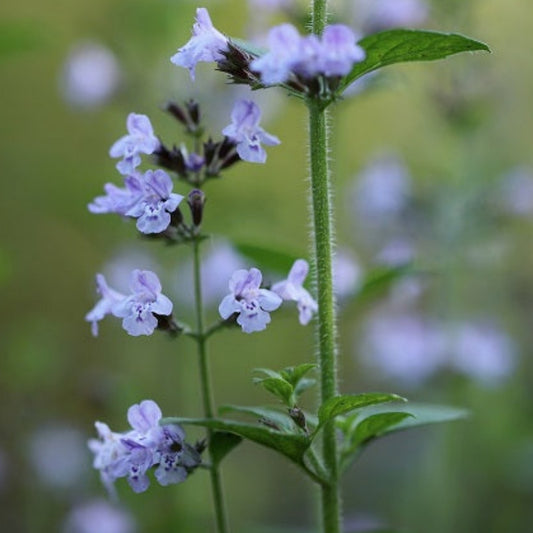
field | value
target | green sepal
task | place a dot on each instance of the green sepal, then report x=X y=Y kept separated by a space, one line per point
x=400 y=46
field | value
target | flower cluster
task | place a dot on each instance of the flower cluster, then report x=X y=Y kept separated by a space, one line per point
x=140 y=310
x=251 y=304
x=146 y=445
x=332 y=55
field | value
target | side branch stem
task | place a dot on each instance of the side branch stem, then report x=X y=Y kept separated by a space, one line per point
x=207 y=395
x=327 y=352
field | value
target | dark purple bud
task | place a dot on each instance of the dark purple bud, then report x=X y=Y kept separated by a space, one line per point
x=193 y=109
x=196 y=201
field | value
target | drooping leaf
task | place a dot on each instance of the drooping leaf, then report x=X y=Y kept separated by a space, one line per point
x=399 y=46
x=291 y=445
x=348 y=402
x=267 y=258
x=221 y=444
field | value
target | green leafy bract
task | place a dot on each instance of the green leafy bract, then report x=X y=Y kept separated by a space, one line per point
x=399 y=46
x=287 y=384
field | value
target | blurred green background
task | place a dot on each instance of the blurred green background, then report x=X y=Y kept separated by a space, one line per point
x=459 y=131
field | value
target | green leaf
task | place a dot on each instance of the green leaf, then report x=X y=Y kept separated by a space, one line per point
x=293 y=374
x=399 y=46
x=346 y=403
x=268 y=416
x=278 y=387
x=221 y=444
x=291 y=445
x=375 y=425
x=267 y=258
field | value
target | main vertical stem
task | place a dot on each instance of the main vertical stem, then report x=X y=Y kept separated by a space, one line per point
x=207 y=396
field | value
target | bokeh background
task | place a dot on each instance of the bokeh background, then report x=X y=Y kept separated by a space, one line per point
x=433 y=168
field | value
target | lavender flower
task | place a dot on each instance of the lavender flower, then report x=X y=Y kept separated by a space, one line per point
x=146 y=445
x=331 y=55
x=147 y=197
x=251 y=303
x=139 y=308
x=105 y=305
x=206 y=44
x=378 y=15
x=153 y=211
x=292 y=289
x=140 y=139
x=245 y=131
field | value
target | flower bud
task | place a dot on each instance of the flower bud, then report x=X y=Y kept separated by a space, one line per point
x=196 y=201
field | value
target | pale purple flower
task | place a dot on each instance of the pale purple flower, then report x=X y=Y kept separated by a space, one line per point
x=251 y=303
x=107 y=449
x=147 y=197
x=140 y=139
x=332 y=54
x=138 y=309
x=292 y=289
x=134 y=464
x=339 y=51
x=245 y=131
x=105 y=305
x=206 y=44
x=91 y=75
x=347 y=273
x=99 y=516
x=276 y=65
x=120 y=200
x=153 y=211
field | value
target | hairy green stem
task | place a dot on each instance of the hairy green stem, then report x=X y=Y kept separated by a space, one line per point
x=323 y=249
x=207 y=395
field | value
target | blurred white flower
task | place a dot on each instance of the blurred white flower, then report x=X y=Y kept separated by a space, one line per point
x=482 y=351
x=404 y=347
x=381 y=190
x=58 y=455
x=219 y=262
x=91 y=75
x=347 y=273
x=99 y=516
x=515 y=194
x=396 y=252
x=377 y=15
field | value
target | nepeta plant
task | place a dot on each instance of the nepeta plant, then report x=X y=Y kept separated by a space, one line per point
x=317 y=69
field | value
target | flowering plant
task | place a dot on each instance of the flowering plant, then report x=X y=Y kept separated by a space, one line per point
x=317 y=69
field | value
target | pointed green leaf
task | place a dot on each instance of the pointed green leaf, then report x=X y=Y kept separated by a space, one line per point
x=399 y=46
x=293 y=374
x=346 y=403
x=375 y=425
x=278 y=387
x=221 y=444
x=291 y=445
